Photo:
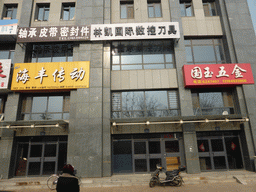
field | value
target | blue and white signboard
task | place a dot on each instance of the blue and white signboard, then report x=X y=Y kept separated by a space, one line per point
x=127 y=31
x=8 y=27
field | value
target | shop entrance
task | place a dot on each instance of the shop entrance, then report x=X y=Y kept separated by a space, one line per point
x=40 y=158
x=140 y=155
x=147 y=153
x=219 y=153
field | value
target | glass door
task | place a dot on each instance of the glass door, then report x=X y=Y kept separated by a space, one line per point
x=140 y=156
x=146 y=154
x=218 y=153
x=35 y=159
x=172 y=154
x=212 y=153
x=50 y=158
x=154 y=154
x=42 y=159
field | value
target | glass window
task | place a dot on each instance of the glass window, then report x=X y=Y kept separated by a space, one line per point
x=52 y=52
x=131 y=55
x=136 y=104
x=7 y=51
x=213 y=102
x=42 y=12
x=127 y=9
x=45 y=107
x=10 y=11
x=68 y=11
x=154 y=8
x=204 y=51
x=209 y=8
x=186 y=8
x=2 y=104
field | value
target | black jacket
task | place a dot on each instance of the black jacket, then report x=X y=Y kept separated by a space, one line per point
x=67 y=183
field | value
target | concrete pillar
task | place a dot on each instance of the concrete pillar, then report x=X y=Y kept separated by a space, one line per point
x=191 y=152
x=6 y=141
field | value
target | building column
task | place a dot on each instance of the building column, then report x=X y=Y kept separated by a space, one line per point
x=191 y=152
x=6 y=142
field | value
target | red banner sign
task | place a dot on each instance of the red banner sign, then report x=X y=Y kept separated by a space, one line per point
x=203 y=75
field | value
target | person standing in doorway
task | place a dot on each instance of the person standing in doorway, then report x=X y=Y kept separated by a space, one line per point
x=67 y=182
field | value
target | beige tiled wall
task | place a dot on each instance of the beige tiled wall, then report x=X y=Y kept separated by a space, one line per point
x=199 y=24
x=143 y=79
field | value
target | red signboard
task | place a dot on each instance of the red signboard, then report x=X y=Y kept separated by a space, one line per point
x=204 y=75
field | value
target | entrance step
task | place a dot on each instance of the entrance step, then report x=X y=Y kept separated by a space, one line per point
x=131 y=179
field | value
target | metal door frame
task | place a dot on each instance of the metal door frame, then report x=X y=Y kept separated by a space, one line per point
x=42 y=159
x=212 y=154
x=146 y=156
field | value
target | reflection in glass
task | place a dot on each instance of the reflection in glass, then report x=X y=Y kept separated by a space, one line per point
x=204 y=53
x=39 y=104
x=156 y=58
x=189 y=54
x=158 y=54
x=151 y=11
x=55 y=104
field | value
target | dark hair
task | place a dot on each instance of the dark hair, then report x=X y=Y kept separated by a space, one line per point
x=68 y=169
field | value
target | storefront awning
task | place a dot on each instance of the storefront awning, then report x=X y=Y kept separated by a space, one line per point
x=34 y=124
x=182 y=121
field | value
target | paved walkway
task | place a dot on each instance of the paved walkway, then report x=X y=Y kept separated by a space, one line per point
x=132 y=180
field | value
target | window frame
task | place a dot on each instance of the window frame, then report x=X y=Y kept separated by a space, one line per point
x=212 y=9
x=120 y=111
x=154 y=4
x=68 y=54
x=165 y=45
x=228 y=96
x=3 y=99
x=45 y=7
x=13 y=7
x=183 y=4
x=25 y=104
x=69 y=6
x=216 y=43
x=129 y=5
x=10 y=48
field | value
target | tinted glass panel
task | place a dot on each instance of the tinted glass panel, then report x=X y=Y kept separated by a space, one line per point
x=50 y=150
x=154 y=147
x=140 y=165
x=158 y=10
x=172 y=146
x=203 y=145
x=55 y=104
x=34 y=168
x=156 y=100
x=36 y=150
x=140 y=147
x=49 y=168
x=39 y=104
x=204 y=53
